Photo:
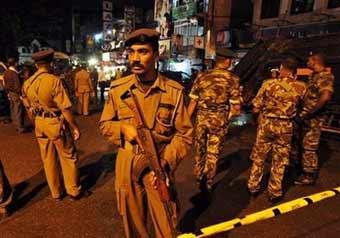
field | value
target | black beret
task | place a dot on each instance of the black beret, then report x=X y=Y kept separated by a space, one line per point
x=142 y=35
x=225 y=53
x=43 y=56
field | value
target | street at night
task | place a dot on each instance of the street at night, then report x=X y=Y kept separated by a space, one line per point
x=35 y=214
x=170 y=119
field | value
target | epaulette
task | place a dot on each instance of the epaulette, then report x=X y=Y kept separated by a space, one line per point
x=174 y=84
x=121 y=81
x=268 y=81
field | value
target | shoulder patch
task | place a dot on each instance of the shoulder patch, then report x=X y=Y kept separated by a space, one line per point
x=268 y=81
x=121 y=81
x=174 y=84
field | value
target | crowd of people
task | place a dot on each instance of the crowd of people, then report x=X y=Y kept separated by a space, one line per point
x=145 y=115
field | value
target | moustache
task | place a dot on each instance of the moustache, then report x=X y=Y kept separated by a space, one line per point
x=137 y=64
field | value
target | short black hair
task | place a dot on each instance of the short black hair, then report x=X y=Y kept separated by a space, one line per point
x=144 y=39
x=291 y=64
x=320 y=56
x=11 y=61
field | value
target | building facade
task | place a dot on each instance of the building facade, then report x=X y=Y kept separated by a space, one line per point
x=295 y=18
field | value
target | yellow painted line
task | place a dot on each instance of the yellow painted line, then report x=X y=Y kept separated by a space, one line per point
x=265 y=214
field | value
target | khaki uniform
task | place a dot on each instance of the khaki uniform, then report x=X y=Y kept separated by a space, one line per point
x=83 y=89
x=166 y=115
x=277 y=101
x=311 y=130
x=215 y=92
x=45 y=97
x=6 y=193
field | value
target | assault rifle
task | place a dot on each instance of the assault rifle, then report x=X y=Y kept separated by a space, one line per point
x=149 y=150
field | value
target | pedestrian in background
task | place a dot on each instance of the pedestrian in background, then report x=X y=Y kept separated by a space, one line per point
x=13 y=89
x=320 y=88
x=94 y=79
x=83 y=90
x=102 y=83
x=49 y=107
x=215 y=93
x=277 y=102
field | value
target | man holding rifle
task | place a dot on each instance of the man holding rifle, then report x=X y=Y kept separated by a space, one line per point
x=146 y=117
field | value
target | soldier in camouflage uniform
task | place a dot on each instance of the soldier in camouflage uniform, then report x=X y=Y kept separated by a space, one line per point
x=319 y=92
x=276 y=100
x=214 y=94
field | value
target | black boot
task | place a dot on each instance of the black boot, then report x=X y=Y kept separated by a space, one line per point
x=306 y=179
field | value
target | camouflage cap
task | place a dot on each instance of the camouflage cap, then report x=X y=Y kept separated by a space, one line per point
x=43 y=56
x=226 y=53
x=142 y=35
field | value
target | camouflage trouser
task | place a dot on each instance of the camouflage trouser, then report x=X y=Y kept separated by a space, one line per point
x=210 y=130
x=311 y=139
x=273 y=135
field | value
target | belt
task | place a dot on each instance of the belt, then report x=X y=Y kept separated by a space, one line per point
x=279 y=118
x=136 y=149
x=214 y=108
x=47 y=114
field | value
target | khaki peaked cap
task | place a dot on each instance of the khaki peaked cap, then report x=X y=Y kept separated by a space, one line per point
x=43 y=56
x=142 y=35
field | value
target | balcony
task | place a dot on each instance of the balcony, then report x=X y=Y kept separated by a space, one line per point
x=184 y=11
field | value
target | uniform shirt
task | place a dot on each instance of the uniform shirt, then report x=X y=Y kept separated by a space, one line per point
x=216 y=87
x=12 y=81
x=101 y=76
x=82 y=81
x=47 y=90
x=279 y=98
x=164 y=112
x=317 y=83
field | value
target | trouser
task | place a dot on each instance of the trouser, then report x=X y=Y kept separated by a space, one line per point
x=51 y=149
x=102 y=91
x=83 y=103
x=273 y=135
x=5 y=189
x=311 y=140
x=17 y=111
x=210 y=131
x=140 y=198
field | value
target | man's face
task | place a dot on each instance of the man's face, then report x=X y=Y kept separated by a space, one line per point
x=142 y=58
x=311 y=62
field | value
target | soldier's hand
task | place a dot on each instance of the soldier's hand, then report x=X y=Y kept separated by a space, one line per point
x=153 y=180
x=130 y=133
x=76 y=134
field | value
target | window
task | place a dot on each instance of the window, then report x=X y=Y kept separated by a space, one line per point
x=270 y=9
x=333 y=3
x=302 y=6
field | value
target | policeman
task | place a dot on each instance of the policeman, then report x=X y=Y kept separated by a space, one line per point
x=49 y=107
x=6 y=193
x=277 y=102
x=214 y=94
x=83 y=90
x=319 y=92
x=161 y=102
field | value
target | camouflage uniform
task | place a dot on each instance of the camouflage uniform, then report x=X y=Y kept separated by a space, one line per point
x=311 y=130
x=276 y=100
x=215 y=91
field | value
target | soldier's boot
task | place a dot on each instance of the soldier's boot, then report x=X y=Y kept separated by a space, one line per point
x=306 y=179
x=275 y=199
x=209 y=185
x=253 y=193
